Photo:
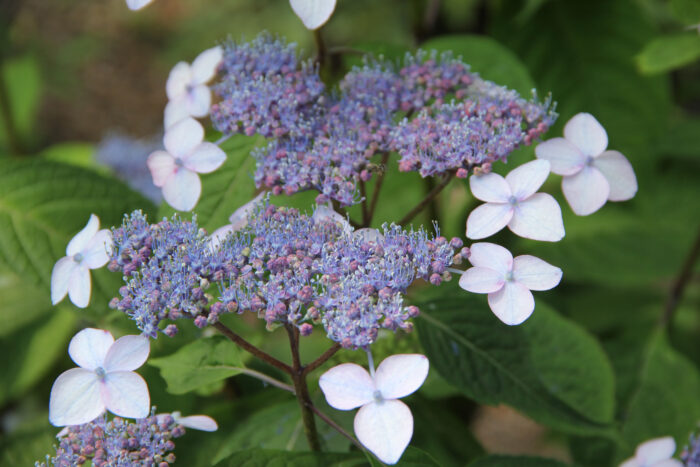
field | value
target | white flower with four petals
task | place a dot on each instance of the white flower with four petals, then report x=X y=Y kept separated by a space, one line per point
x=89 y=249
x=186 y=154
x=508 y=280
x=657 y=452
x=384 y=425
x=196 y=422
x=105 y=379
x=592 y=175
x=313 y=13
x=513 y=201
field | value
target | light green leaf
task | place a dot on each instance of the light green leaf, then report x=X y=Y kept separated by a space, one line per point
x=22 y=78
x=667 y=53
x=548 y=367
x=497 y=460
x=200 y=363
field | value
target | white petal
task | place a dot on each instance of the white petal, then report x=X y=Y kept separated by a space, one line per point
x=323 y=213
x=385 y=429
x=199 y=101
x=180 y=77
x=162 y=167
x=75 y=398
x=175 y=111
x=127 y=353
x=347 y=386
x=513 y=304
x=181 y=138
x=79 y=287
x=137 y=4
x=488 y=219
x=584 y=131
x=525 y=180
x=60 y=278
x=538 y=218
x=400 y=375
x=492 y=256
x=82 y=238
x=313 y=13
x=631 y=462
x=491 y=188
x=89 y=347
x=670 y=463
x=369 y=234
x=182 y=191
x=198 y=422
x=204 y=66
x=125 y=393
x=564 y=158
x=219 y=235
x=534 y=273
x=619 y=173
x=481 y=280
x=207 y=157
x=239 y=218
x=655 y=450
x=587 y=191
x=96 y=254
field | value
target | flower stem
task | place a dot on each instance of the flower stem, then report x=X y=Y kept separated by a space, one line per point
x=335 y=426
x=321 y=50
x=426 y=201
x=322 y=359
x=267 y=379
x=377 y=188
x=247 y=346
x=681 y=282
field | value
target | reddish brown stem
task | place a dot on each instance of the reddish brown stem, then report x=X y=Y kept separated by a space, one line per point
x=322 y=359
x=681 y=282
x=250 y=348
x=426 y=201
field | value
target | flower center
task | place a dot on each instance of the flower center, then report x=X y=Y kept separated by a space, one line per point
x=101 y=373
x=512 y=200
x=378 y=398
x=78 y=258
x=509 y=276
x=589 y=161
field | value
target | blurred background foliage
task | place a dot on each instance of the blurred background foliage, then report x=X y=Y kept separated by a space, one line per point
x=612 y=354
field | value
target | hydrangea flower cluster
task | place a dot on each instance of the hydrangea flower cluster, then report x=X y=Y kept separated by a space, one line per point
x=288 y=267
x=118 y=442
x=691 y=453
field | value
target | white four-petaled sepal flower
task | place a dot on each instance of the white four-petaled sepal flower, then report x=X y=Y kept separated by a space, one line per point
x=656 y=452
x=508 y=280
x=238 y=221
x=196 y=422
x=384 y=425
x=186 y=154
x=188 y=93
x=89 y=249
x=592 y=175
x=137 y=4
x=513 y=201
x=313 y=13
x=104 y=380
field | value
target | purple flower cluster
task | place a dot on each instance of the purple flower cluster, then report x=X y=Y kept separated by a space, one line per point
x=691 y=453
x=118 y=443
x=288 y=268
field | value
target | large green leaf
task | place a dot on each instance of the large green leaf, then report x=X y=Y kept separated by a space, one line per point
x=496 y=460
x=22 y=79
x=274 y=458
x=668 y=53
x=200 y=363
x=548 y=367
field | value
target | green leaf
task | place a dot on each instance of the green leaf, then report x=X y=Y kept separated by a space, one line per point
x=23 y=81
x=487 y=57
x=412 y=457
x=667 y=53
x=666 y=401
x=200 y=363
x=686 y=11
x=274 y=458
x=496 y=460
x=548 y=367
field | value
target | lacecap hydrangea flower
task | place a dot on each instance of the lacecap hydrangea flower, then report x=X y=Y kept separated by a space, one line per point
x=657 y=452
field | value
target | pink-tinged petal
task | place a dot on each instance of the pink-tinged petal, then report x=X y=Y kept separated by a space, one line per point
x=488 y=219
x=385 y=429
x=197 y=422
x=525 y=180
x=619 y=173
x=207 y=157
x=584 y=132
x=175 y=111
x=538 y=218
x=219 y=235
x=323 y=213
x=586 y=192
x=239 y=218
x=137 y=4
x=125 y=393
x=199 y=100
x=127 y=353
x=491 y=256
x=96 y=254
x=347 y=386
x=205 y=65
x=89 y=347
x=491 y=188
x=400 y=375
x=655 y=450
x=82 y=238
x=60 y=278
x=313 y=13
x=481 y=280
x=534 y=273
x=75 y=398
x=513 y=304
x=181 y=138
x=631 y=462
x=179 y=78
x=182 y=191
x=79 y=287
x=564 y=158
x=162 y=167
x=368 y=234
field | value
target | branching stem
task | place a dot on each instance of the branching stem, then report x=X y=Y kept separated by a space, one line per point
x=377 y=188
x=250 y=348
x=681 y=282
x=426 y=201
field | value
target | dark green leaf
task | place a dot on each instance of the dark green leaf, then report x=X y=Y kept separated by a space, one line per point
x=273 y=458
x=515 y=461
x=668 y=53
x=686 y=11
